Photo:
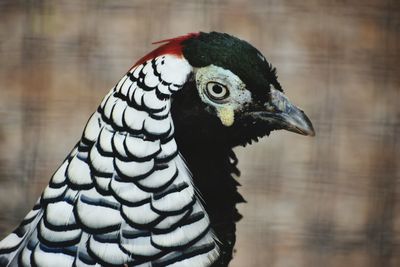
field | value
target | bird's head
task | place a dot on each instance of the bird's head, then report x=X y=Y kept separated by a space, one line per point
x=231 y=94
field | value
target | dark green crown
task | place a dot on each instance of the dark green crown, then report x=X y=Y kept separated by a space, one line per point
x=238 y=56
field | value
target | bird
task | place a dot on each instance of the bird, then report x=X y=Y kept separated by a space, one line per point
x=152 y=181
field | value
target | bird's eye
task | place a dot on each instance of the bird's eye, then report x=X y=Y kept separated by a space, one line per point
x=217 y=91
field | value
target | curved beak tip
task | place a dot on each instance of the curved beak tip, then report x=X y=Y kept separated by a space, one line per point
x=305 y=125
x=298 y=122
x=308 y=132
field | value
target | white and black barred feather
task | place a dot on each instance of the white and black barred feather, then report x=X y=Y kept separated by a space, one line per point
x=123 y=196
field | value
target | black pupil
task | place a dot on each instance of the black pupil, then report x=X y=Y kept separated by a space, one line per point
x=217 y=89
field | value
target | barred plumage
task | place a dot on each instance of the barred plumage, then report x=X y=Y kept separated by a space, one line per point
x=126 y=169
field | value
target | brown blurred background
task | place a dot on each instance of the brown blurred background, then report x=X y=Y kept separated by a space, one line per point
x=332 y=200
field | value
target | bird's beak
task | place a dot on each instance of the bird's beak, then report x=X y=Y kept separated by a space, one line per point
x=282 y=114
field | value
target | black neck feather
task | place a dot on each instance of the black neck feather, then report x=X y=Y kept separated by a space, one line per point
x=212 y=163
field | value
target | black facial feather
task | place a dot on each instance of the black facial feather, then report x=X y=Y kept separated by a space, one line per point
x=238 y=56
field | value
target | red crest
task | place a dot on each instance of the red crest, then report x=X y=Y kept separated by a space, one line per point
x=171 y=46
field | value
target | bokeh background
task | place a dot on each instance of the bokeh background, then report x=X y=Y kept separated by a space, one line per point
x=332 y=200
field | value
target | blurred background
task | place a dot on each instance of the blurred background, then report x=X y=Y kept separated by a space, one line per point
x=332 y=200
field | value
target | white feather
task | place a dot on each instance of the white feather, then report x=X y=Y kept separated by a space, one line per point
x=89 y=214
x=101 y=163
x=105 y=140
x=118 y=141
x=108 y=252
x=109 y=106
x=151 y=100
x=150 y=80
x=137 y=95
x=92 y=127
x=124 y=89
x=11 y=241
x=132 y=90
x=159 y=177
x=26 y=257
x=102 y=182
x=141 y=246
x=59 y=175
x=78 y=172
x=60 y=214
x=117 y=112
x=82 y=252
x=129 y=191
x=49 y=259
x=140 y=215
x=58 y=236
x=174 y=201
x=168 y=149
x=181 y=235
x=168 y=221
x=134 y=119
x=141 y=148
x=157 y=127
x=52 y=193
x=134 y=169
x=165 y=111
x=174 y=87
x=163 y=89
x=199 y=260
x=174 y=70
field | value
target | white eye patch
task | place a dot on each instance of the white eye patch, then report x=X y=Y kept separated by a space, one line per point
x=234 y=100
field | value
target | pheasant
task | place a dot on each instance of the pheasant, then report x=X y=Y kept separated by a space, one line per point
x=150 y=183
